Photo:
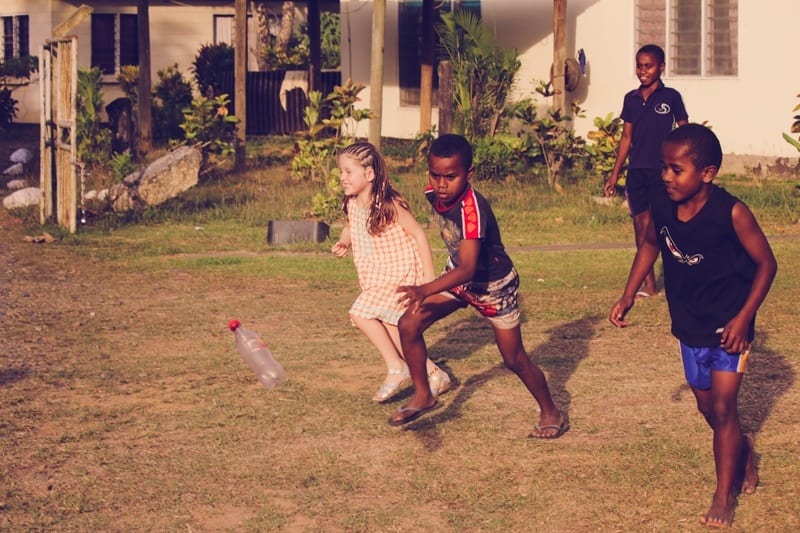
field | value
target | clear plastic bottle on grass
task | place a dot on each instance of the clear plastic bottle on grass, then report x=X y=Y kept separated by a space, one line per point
x=257 y=356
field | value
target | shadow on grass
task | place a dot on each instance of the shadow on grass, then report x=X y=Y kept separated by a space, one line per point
x=566 y=346
x=767 y=378
x=12 y=375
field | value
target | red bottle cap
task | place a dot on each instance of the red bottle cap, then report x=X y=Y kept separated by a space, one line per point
x=233 y=325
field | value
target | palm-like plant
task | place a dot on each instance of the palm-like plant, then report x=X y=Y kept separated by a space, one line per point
x=483 y=73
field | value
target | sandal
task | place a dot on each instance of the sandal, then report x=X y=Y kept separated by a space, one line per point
x=439 y=382
x=396 y=380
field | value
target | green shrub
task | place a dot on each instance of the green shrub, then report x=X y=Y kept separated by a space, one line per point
x=13 y=67
x=171 y=95
x=605 y=141
x=94 y=141
x=122 y=165
x=210 y=63
x=208 y=124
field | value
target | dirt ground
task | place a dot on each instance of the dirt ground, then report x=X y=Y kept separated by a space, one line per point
x=53 y=300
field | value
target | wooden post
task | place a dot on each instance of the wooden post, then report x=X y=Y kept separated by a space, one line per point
x=559 y=55
x=144 y=86
x=240 y=79
x=315 y=45
x=426 y=69
x=445 y=97
x=376 y=72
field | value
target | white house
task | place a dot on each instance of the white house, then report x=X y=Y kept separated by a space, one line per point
x=732 y=60
x=108 y=37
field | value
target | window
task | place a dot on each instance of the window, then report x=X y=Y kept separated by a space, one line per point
x=115 y=42
x=223 y=29
x=410 y=43
x=700 y=37
x=15 y=36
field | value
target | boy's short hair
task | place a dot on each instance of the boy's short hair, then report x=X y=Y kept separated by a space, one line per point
x=450 y=144
x=704 y=148
x=654 y=50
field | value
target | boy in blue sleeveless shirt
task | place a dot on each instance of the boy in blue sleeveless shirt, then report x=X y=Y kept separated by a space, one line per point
x=649 y=113
x=718 y=268
x=480 y=274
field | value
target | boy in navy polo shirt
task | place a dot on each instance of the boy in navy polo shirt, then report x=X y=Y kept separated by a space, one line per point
x=480 y=274
x=718 y=268
x=649 y=113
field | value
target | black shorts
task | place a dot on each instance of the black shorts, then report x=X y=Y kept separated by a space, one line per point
x=639 y=184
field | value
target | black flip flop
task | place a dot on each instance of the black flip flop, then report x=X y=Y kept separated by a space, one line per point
x=410 y=413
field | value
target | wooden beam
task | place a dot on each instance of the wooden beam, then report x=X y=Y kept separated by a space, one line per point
x=559 y=54
x=240 y=78
x=72 y=21
x=426 y=69
x=376 y=72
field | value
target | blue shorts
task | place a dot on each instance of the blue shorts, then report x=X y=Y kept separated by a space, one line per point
x=638 y=186
x=698 y=363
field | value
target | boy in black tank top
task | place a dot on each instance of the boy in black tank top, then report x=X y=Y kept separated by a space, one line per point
x=718 y=268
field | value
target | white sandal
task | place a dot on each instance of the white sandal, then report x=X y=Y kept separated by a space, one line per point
x=439 y=382
x=392 y=385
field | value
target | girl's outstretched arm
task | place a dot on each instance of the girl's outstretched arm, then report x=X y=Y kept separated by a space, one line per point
x=343 y=244
x=413 y=228
x=734 y=334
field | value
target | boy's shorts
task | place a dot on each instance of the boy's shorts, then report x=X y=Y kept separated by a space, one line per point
x=698 y=363
x=638 y=186
x=495 y=300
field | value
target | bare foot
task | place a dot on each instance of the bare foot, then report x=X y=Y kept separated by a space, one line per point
x=750 y=480
x=720 y=514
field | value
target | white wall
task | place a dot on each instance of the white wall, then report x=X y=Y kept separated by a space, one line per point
x=748 y=113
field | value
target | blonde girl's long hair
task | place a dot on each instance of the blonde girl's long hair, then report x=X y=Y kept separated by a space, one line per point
x=382 y=210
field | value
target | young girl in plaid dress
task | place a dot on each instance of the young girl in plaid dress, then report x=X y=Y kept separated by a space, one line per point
x=390 y=249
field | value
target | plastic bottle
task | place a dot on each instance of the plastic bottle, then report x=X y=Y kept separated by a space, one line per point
x=257 y=356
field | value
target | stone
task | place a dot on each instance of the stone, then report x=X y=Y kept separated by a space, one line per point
x=14 y=185
x=22 y=198
x=14 y=170
x=21 y=155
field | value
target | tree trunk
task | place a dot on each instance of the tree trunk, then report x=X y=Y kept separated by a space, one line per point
x=287 y=26
x=145 y=104
x=261 y=17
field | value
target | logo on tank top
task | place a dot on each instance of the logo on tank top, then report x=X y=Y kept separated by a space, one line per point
x=662 y=109
x=681 y=257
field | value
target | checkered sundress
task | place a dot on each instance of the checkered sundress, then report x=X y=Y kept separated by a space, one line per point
x=383 y=262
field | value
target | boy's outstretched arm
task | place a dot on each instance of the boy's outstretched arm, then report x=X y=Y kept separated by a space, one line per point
x=644 y=260
x=734 y=333
x=468 y=252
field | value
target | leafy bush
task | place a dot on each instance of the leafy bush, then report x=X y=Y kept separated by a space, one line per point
x=210 y=63
x=122 y=165
x=94 y=141
x=13 y=67
x=605 y=141
x=208 y=124
x=8 y=108
x=128 y=79
x=795 y=128
x=171 y=95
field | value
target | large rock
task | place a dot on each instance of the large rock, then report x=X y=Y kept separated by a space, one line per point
x=163 y=179
x=22 y=198
x=21 y=155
